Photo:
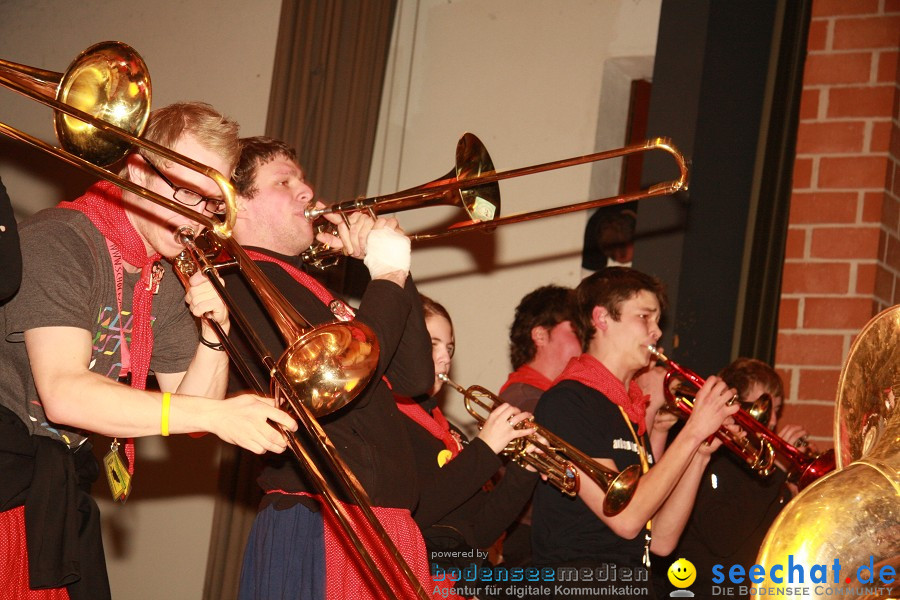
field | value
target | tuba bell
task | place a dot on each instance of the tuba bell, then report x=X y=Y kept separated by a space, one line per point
x=852 y=515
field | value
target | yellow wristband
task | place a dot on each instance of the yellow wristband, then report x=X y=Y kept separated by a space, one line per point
x=164 y=419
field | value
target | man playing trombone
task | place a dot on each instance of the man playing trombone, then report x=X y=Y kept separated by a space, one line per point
x=96 y=305
x=368 y=433
x=597 y=406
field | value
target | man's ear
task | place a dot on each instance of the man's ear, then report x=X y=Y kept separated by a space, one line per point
x=136 y=168
x=600 y=318
x=539 y=336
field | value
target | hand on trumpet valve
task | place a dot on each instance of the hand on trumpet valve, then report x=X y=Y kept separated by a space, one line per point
x=505 y=424
x=711 y=408
x=797 y=436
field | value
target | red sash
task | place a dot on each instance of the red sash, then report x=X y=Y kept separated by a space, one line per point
x=435 y=423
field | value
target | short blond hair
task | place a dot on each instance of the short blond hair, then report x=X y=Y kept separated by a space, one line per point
x=213 y=130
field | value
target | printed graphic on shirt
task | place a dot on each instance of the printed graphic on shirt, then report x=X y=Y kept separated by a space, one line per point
x=111 y=327
x=631 y=446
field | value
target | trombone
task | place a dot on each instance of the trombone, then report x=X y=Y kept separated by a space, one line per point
x=557 y=459
x=472 y=186
x=324 y=367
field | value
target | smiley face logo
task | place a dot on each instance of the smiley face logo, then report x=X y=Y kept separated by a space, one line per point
x=682 y=573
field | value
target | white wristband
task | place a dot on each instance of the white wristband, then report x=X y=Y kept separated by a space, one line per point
x=387 y=251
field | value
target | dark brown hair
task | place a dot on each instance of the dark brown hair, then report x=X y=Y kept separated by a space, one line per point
x=255 y=152
x=546 y=306
x=610 y=287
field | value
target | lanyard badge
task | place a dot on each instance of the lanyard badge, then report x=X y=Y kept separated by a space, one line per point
x=117 y=473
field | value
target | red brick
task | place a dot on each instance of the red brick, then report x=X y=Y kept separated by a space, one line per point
x=865 y=32
x=891 y=6
x=887 y=67
x=809 y=349
x=842 y=137
x=787 y=376
x=849 y=242
x=818 y=384
x=823 y=207
x=836 y=313
x=872 y=207
x=817 y=419
x=890 y=213
x=865 y=279
x=818 y=34
x=884 y=283
x=802 y=177
x=815 y=278
x=809 y=104
x=795 y=245
x=831 y=8
x=868 y=101
x=892 y=256
x=851 y=67
x=853 y=172
x=788 y=313
x=881 y=136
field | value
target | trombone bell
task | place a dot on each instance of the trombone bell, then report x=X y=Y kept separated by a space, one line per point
x=108 y=81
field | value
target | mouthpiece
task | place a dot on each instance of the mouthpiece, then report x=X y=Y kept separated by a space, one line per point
x=312 y=213
x=655 y=352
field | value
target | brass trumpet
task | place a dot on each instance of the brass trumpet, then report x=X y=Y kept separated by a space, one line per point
x=557 y=459
x=754 y=449
x=802 y=468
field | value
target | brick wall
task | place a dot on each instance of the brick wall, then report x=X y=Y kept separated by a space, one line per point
x=842 y=261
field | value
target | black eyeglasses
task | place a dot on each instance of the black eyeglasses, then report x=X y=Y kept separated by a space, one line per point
x=189 y=197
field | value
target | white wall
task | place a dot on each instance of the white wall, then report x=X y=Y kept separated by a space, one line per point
x=529 y=77
x=217 y=51
x=537 y=81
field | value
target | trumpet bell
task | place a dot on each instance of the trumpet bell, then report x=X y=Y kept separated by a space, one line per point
x=111 y=82
x=620 y=489
x=330 y=365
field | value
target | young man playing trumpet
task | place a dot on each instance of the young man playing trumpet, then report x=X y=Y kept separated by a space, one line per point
x=597 y=406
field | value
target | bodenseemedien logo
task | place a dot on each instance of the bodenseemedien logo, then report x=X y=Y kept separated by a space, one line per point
x=682 y=574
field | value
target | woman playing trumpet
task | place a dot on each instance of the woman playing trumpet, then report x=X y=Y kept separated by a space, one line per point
x=457 y=516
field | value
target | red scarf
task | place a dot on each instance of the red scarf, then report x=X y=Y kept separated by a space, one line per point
x=435 y=423
x=591 y=372
x=102 y=204
x=528 y=376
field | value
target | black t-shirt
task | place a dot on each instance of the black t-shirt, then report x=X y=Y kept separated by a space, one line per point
x=564 y=529
x=368 y=433
x=732 y=513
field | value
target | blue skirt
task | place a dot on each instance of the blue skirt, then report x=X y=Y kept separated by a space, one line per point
x=285 y=556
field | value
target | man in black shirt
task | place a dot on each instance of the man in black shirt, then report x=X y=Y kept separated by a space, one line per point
x=368 y=433
x=599 y=408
